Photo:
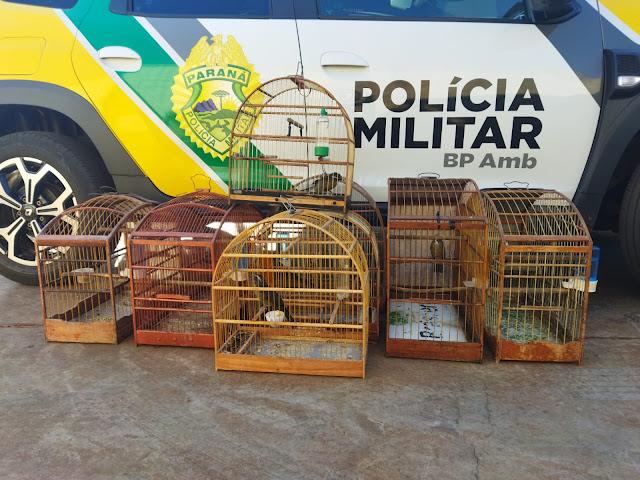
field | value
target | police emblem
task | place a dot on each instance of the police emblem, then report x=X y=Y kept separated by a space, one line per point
x=208 y=91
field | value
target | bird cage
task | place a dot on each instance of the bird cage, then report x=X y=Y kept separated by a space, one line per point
x=291 y=295
x=363 y=204
x=83 y=270
x=436 y=269
x=365 y=235
x=540 y=262
x=173 y=252
x=288 y=131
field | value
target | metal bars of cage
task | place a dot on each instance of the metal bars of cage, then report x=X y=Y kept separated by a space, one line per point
x=83 y=270
x=291 y=295
x=291 y=141
x=537 y=297
x=436 y=269
x=173 y=253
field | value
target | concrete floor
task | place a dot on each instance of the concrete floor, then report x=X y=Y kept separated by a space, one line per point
x=93 y=412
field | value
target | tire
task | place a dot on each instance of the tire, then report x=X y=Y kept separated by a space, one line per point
x=630 y=225
x=72 y=173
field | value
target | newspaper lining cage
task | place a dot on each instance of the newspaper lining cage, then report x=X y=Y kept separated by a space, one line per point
x=83 y=270
x=436 y=269
x=173 y=253
x=365 y=235
x=291 y=295
x=537 y=297
x=288 y=131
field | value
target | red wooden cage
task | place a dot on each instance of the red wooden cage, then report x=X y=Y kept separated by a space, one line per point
x=173 y=253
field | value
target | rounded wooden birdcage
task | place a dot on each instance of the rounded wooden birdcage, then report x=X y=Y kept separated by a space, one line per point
x=288 y=131
x=83 y=270
x=436 y=269
x=291 y=295
x=173 y=253
x=540 y=262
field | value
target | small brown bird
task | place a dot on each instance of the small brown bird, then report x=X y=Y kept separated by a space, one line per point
x=437 y=252
x=325 y=183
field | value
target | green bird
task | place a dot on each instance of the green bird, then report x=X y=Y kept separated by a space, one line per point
x=270 y=300
x=325 y=183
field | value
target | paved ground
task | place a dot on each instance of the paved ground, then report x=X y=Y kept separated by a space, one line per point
x=89 y=411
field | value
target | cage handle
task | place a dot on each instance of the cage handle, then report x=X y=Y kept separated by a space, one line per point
x=102 y=190
x=515 y=183
x=428 y=175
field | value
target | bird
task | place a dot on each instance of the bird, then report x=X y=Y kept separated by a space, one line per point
x=325 y=183
x=437 y=252
x=270 y=300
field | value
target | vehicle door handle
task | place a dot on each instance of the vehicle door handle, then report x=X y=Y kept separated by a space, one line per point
x=342 y=59
x=120 y=59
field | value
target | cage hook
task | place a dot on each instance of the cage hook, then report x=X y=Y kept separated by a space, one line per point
x=289 y=207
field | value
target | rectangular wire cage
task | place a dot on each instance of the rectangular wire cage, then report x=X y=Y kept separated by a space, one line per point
x=436 y=269
x=540 y=250
x=291 y=295
x=173 y=253
x=83 y=270
x=292 y=141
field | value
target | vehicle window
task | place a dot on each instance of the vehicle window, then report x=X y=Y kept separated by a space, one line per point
x=202 y=8
x=47 y=3
x=514 y=10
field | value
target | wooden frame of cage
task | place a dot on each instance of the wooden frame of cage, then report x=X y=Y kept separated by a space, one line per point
x=246 y=156
x=556 y=246
x=172 y=254
x=321 y=276
x=82 y=273
x=438 y=303
x=366 y=236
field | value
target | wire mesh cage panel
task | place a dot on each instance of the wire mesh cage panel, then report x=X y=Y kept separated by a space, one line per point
x=291 y=295
x=173 y=253
x=436 y=269
x=540 y=251
x=365 y=235
x=292 y=141
x=83 y=270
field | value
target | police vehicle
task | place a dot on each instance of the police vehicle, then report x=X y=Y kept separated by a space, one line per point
x=140 y=95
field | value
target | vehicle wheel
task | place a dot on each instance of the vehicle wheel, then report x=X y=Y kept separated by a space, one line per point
x=41 y=174
x=630 y=225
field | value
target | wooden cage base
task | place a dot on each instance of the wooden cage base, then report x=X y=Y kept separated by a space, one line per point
x=435 y=350
x=300 y=366
x=173 y=339
x=536 y=351
x=294 y=199
x=94 y=332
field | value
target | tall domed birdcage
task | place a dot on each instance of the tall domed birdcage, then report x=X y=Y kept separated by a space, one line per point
x=291 y=295
x=292 y=141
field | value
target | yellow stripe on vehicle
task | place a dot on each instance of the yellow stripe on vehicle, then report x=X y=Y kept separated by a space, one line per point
x=628 y=11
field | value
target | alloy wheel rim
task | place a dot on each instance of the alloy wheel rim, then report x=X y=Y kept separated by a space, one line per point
x=32 y=193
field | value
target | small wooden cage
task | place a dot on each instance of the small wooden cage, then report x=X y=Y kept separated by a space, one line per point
x=292 y=141
x=173 y=253
x=436 y=269
x=83 y=270
x=291 y=295
x=361 y=229
x=540 y=251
